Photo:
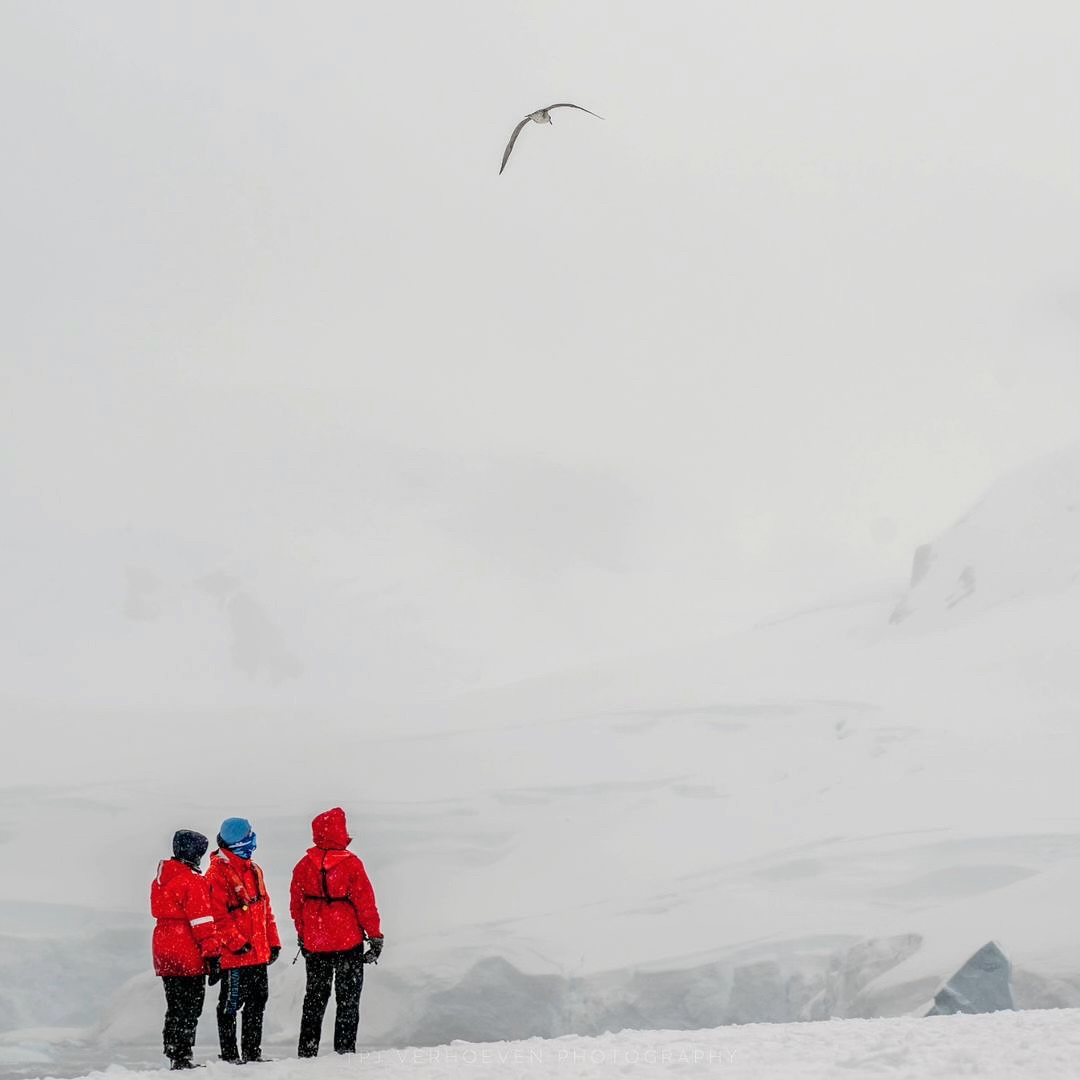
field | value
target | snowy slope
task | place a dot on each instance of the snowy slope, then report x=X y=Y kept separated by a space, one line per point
x=1033 y=1045
x=1021 y=540
x=821 y=817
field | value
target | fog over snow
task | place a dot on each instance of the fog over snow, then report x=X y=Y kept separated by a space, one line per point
x=665 y=551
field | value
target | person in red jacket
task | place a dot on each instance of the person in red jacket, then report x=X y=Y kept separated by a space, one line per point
x=185 y=943
x=249 y=939
x=333 y=906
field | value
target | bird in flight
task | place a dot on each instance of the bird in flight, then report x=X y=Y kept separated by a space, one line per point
x=541 y=116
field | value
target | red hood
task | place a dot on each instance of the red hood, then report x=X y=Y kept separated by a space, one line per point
x=329 y=832
x=171 y=868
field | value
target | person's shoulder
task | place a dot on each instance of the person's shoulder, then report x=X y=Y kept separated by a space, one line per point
x=168 y=874
x=213 y=870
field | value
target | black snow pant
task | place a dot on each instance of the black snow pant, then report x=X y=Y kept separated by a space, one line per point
x=184 y=997
x=243 y=989
x=346 y=971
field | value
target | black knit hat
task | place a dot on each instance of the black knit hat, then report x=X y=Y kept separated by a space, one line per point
x=189 y=847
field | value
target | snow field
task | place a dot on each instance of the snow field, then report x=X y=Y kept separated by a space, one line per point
x=1033 y=1045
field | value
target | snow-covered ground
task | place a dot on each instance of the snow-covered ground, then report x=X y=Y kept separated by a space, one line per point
x=1036 y=1045
x=821 y=817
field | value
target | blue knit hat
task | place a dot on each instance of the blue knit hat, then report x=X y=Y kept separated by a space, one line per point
x=237 y=835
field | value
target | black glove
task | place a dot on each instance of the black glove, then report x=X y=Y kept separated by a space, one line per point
x=300 y=943
x=274 y=951
x=243 y=950
x=213 y=970
x=374 y=950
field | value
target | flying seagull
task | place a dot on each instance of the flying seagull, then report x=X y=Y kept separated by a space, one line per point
x=541 y=116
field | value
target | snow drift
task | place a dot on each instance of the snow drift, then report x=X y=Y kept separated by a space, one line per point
x=1034 y=1045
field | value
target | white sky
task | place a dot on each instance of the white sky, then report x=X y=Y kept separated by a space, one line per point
x=811 y=285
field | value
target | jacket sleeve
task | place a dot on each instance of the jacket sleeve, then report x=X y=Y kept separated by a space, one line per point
x=231 y=938
x=273 y=938
x=362 y=896
x=296 y=898
x=200 y=918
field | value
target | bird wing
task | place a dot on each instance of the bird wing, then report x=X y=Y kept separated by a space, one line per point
x=510 y=144
x=569 y=105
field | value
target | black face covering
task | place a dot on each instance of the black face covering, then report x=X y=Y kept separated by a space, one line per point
x=189 y=847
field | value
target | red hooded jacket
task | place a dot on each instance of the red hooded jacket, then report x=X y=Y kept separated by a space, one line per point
x=241 y=908
x=331 y=899
x=185 y=936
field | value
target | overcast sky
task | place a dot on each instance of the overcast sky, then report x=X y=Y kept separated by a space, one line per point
x=808 y=288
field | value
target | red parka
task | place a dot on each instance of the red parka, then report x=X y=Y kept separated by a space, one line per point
x=332 y=902
x=241 y=908
x=185 y=936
